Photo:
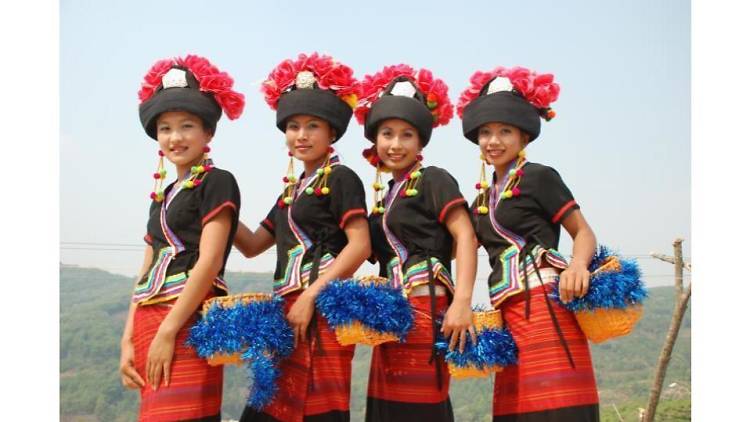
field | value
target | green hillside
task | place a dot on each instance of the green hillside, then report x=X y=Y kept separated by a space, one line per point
x=93 y=306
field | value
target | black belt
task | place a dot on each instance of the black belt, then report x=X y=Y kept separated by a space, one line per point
x=312 y=329
x=435 y=356
x=527 y=251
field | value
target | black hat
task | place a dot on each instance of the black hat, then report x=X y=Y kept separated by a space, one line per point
x=406 y=103
x=501 y=100
x=507 y=107
x=400 y=92
x=172 y=85
x=320 y=103
x=315 y=85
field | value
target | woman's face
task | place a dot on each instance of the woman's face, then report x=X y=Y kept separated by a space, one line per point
x=500 y=143
x=181 y=137
x=308 y=137
x=398 y=144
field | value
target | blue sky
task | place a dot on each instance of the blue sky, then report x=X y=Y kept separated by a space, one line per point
x=621 y=138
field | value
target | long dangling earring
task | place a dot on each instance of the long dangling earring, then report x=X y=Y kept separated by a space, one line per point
x=511 y=188
x=289 y=181
x=157 y=194
x=379 y=189
x=371 y=155
x=320 y=187
x=411 y=186
x=198 y=173
x=482 y=187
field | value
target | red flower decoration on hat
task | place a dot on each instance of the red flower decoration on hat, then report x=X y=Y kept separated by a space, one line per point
x=152 y=80
x=538 y=89
x=371 y=155
x=434 y=90
x=209 y=77
x=328 y=74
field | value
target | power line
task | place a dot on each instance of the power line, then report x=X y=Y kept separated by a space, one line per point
x=135 y=247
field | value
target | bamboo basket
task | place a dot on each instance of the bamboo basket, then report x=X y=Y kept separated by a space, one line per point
x=600 y=325
x=246 y=299
x=603 y=324
x=356 y=332
x=482 y=320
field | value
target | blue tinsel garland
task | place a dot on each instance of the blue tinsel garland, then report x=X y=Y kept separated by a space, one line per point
x=263 y=372
x=378 y=307
x=493 y=347
x=609 y=289
x=259 y=330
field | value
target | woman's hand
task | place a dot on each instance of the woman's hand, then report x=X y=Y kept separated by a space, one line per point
x=300 y=314
x=128 y=374
x=457 y=321
x=159 y=360
x=574 y=282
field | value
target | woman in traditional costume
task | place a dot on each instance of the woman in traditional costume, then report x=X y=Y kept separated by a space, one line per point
x=414 y=227
x=190 y=229
x=319 y=228
x=517 y=218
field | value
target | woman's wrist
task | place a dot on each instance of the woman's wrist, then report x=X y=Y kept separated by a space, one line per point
x=461 y=298
x=167 y=329
x=578 y=264
x=314 y=289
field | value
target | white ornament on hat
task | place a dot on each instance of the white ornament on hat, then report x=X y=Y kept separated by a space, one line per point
x=404 y=88
x=305 y=80
x=500 y=83
x=175 y=78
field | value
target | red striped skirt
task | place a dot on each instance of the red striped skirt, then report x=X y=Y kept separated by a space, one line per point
x=194 y=389
x=403 y=384
x=320 y=389
x=544 y=381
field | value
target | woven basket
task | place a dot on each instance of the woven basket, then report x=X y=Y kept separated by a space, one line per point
x=227 y=302
x=610 y=264
x=356 y=333
x=482 y=321
x=603 y=324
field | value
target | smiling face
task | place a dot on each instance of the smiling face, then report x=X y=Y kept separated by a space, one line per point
x=182 y=137
x=308 y=137
x=398 y=145
x=500 y=143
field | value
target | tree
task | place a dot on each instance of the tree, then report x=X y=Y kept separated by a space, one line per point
x=682 y=296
